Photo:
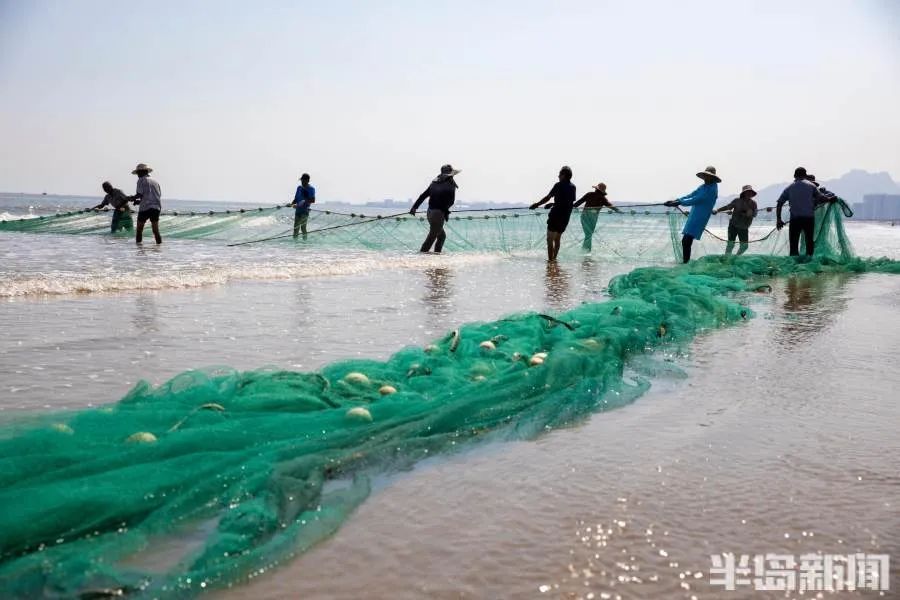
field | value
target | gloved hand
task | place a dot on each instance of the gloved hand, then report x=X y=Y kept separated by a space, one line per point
x=671 y=203
x=412 y=211
x=779 y=225
x=534 y=206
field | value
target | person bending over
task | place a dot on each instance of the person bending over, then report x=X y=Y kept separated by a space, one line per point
x=115 y=198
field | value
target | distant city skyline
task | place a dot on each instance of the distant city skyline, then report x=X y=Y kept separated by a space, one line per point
x=231 y=104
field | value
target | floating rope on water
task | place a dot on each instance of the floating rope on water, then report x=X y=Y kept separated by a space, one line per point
x=630 y=234
x=320 y=230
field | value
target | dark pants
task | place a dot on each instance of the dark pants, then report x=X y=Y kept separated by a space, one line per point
x=805 y=226
x=436 y=233
x=741 y=234
x=300 y=221
x=686 y=242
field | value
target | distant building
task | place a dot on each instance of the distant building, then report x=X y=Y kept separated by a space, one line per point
x=878 y=207
x=386 y=203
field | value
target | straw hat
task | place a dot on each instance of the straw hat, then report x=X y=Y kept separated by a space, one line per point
x=141 y=167
x=710 y=172
x=748 y=188
x=449 y=170
x=600 y=187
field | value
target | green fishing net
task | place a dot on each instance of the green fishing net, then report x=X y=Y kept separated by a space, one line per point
x=217 y=476
x=648 y=234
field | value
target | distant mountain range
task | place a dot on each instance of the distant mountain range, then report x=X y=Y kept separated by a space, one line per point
x=851 y=186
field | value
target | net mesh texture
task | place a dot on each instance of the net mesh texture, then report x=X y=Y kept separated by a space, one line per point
x=247 y=469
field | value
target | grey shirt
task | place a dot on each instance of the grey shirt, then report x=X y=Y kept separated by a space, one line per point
x=116 y=199
x=802 y=196
x=151 y=196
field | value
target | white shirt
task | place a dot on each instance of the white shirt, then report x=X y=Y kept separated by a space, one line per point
x=151 y=196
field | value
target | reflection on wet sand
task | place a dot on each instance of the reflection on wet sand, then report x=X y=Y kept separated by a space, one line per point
x=303 y=302
x=810 y=305
x=438 y=297
x=558 y=286
x=146 y=314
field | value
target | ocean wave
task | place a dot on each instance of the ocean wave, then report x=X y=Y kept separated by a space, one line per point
x=8 y=216
x=17 y=285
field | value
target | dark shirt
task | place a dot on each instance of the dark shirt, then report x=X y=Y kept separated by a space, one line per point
x=441 y=194
x=117 y=199
x=743 y=211
x=802 y=196
x=563 y=194
x=594 y=199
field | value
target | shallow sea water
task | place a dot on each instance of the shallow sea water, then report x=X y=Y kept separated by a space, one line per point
x=782 y=437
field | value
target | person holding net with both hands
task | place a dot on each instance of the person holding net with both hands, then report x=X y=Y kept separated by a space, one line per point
x=702 y=201
x=743 y=210
x=441 y=194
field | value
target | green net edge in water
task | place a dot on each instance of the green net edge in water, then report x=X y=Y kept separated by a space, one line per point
x=267 y=463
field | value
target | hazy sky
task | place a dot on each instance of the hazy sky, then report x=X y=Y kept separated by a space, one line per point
x=233 y=100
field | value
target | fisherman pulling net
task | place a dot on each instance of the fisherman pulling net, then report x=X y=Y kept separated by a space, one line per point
x=256 y=467
x=630 y=233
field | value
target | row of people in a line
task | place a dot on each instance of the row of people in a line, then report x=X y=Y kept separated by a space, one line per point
x=803 y=195
x=149 y=198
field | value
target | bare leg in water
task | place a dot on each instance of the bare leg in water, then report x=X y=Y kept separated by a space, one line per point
x=553 y=240
x=139 y=233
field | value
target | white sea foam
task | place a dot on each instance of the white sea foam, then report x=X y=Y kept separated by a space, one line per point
x=8 y=216
x=185 y=277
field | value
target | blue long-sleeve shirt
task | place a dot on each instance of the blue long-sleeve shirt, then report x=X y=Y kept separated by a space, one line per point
x=803 y=197
x=702 y=202
x=303 y=198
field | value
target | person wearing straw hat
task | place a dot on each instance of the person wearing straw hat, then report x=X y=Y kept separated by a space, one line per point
x=593 y=201
x=441 y=194
x=743 y=211
x=303 y=197
x=563 y=194
x=702 y=201
x=149 y=197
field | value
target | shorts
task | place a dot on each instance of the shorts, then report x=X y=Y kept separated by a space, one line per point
x=558 y=220
x=151 y=214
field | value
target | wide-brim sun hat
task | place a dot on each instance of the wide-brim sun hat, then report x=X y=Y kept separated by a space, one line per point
x=141 y=167
x=748 y=188
x=711 y=173
x=449 y=170
x=600 y=187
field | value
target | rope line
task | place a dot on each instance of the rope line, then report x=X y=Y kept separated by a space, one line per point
x=291 y=233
